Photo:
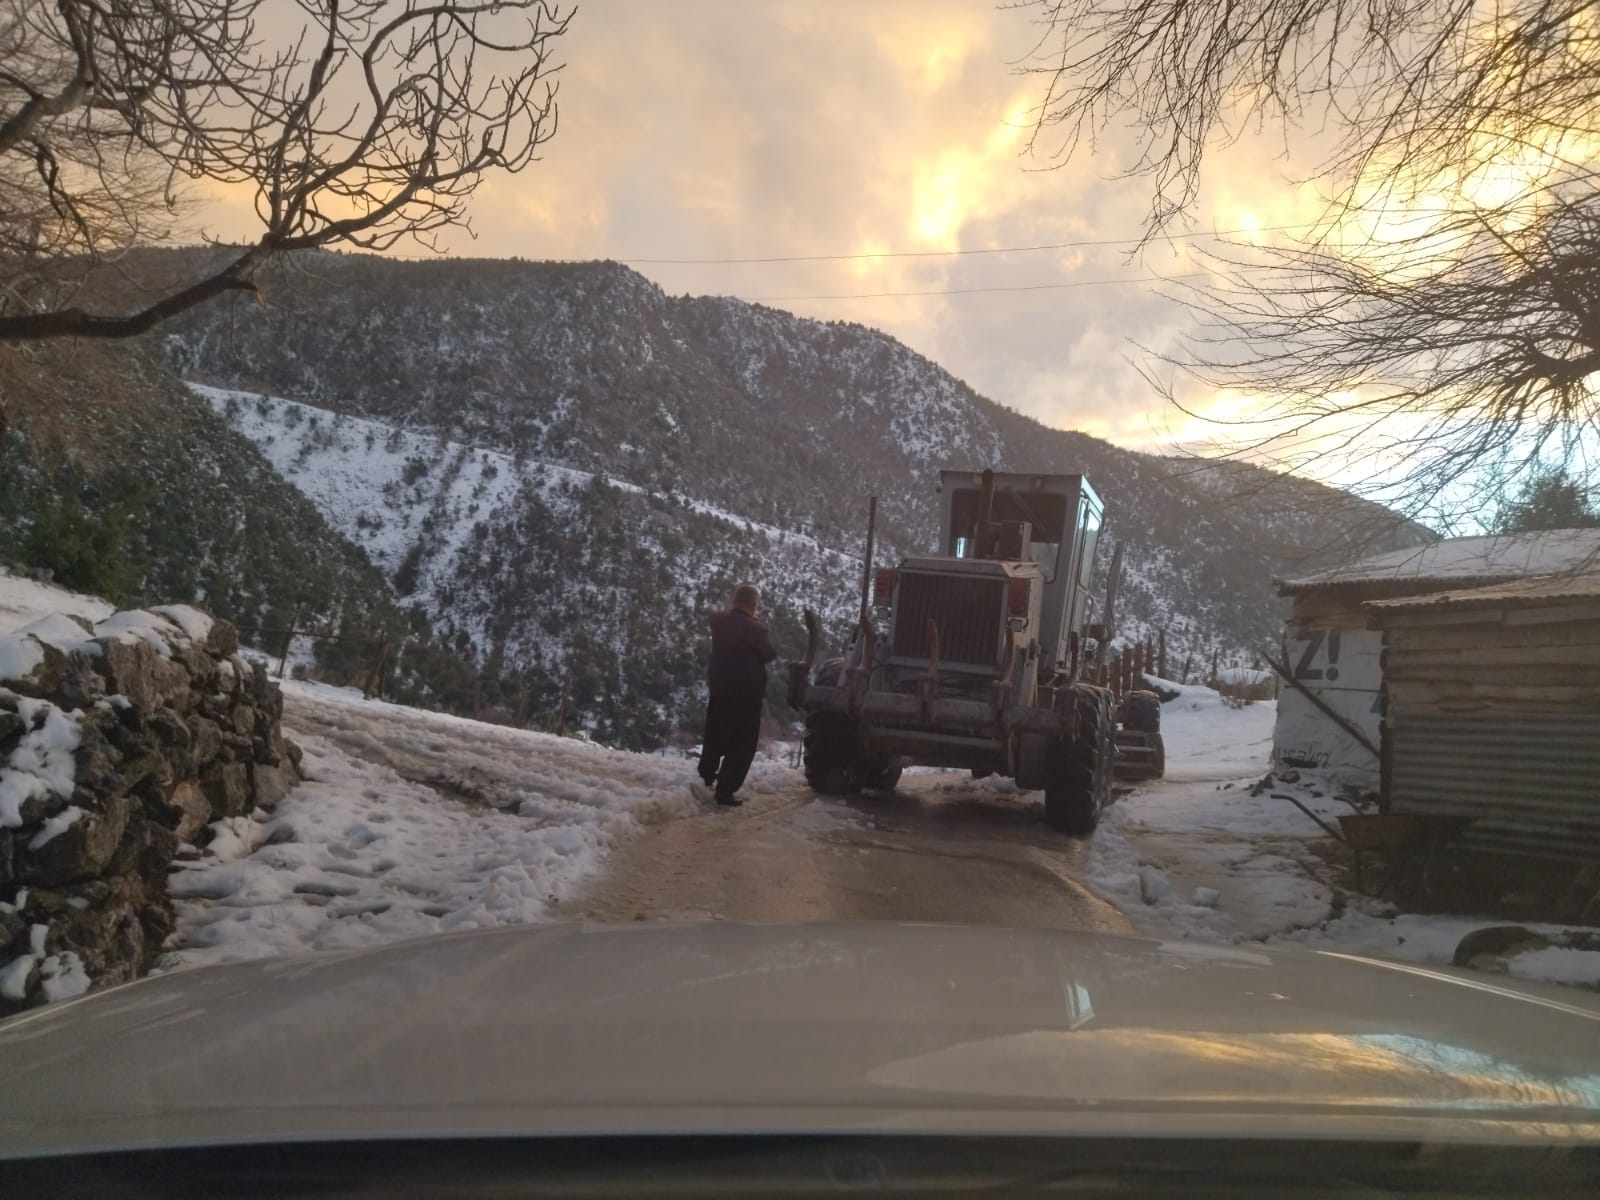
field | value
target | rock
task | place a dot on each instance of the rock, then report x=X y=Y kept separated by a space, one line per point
x=1205 y=897
x=227 y=787
x=186 y=810
x=207 y=740
x=81 y=686
x=273 y=704
x=236 y=748
x=265 y=752
x=260 y=684
x=223 y=640
x=1288 y=776
x=1494 y=941
x=103 y=742
x=12 y=728
x=201 y=666
x=244 y=721
x=295 y=754
x=115 y=925
x=173 y=738
x=135 y=670
x=150 y=766
x=1153 y=885
x=270 y=784
x=82 y=850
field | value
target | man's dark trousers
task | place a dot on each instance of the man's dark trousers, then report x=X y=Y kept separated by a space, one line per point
x=733 y=727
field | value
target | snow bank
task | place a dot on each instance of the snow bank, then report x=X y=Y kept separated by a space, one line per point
x=23 y=600
x=1209 y=739
x=34 y=614
x=440 y=823
x=1204 y=857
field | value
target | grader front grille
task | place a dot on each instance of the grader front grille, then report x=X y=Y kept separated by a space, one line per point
x=970 y=614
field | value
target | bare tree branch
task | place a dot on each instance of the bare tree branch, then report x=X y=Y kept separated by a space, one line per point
x=1440 y=363
x=371 y=122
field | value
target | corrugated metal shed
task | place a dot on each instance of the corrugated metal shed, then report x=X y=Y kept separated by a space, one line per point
x=1492 y=711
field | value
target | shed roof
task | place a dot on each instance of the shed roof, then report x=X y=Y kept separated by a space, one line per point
x=1494 y=558
x=1516 y=593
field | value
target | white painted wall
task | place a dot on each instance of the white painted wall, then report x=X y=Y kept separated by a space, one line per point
x=1342 y=666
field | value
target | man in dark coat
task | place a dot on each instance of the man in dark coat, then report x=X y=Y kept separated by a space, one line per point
x=740 y=652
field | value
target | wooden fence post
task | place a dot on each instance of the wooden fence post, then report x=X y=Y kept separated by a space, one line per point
x=373 y=685
x=288 y=637
x=561 y=713
x=1161 y=657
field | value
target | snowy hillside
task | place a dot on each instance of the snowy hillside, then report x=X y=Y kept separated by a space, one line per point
x=543 y=565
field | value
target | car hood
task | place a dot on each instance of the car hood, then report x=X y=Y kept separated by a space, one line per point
x=805 y=1028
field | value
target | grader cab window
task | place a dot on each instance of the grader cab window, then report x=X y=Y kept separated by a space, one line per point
x=1042 y=516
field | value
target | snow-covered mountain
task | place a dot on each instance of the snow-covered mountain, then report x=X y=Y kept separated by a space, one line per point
x=544 y=569
x=566 y=467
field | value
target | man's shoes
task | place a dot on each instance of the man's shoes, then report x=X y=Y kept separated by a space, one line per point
x=728 y=800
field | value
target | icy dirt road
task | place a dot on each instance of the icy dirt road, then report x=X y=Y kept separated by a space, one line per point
x=939 y=849
x=411 y=822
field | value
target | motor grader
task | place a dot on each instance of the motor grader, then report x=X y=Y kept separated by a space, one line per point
x=976 y=657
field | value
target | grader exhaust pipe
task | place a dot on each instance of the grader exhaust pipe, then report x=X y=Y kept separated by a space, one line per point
x=800 y=672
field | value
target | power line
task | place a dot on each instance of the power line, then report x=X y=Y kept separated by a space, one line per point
x=1028 y=287
x=794 y=258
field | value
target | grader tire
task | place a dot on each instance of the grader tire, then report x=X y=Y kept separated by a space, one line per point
x=882 y=778
x=831 y=761
x=1078 y=786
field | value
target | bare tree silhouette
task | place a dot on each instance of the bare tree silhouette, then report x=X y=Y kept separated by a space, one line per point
x=354 y=122
x=1448 y=341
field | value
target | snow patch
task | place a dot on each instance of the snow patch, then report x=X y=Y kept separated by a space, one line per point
x=358 y=853
x=1558 y=964
x=14 y=977
x=20 y=654
x=56 y=826
x=195 y=624
x=23 y=600
x=140 y=625
x=62 y=976
x=42 y=763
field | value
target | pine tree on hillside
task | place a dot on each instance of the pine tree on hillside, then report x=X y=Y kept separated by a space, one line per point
x=1550 y=501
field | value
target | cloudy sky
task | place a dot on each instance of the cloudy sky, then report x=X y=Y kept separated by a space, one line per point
x=736 y=129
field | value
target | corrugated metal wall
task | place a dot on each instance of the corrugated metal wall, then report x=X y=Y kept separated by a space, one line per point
x=1497 y=717
x=1531 y=782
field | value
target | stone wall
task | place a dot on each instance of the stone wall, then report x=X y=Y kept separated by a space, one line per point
x=120 y=745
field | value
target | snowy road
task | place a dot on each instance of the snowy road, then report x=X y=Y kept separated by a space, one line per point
x=939 y=849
